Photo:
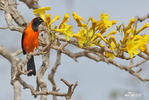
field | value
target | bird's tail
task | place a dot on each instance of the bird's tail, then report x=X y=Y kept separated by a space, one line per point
x=31 y=66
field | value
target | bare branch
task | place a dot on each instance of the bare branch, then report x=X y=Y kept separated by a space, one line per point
x=14 y=62
x=53 y=71
x=138 y=64
x=18 y=52
x=31 y=3
x=71 y=88
x=40 y=81
x=141 y=19
x=144 y=57
x=6 y=54
x=10 y=25
x=3 y=28
x=55 y=93
x=17 y=90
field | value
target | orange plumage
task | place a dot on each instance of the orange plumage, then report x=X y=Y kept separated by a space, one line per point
x=30 y=41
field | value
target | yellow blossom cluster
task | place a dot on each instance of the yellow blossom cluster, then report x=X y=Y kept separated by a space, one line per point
x=132 y=42
x=94 y=33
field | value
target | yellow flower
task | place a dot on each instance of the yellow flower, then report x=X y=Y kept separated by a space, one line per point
x=66 y=30
x=86 y=37
x=104 y=23
x=113 y=22
x=146 y=25
x=103 y=37
x=130 y=23
x=145 y=40
x=99 y=34
x=41 y=12
x=65 y=20
x=111 y=33
x=114 y=40
x=94 y=22
x=126 y=35
x=48 y=20
x=78 y=19
x=113 y=47
x=90 y=18
x=109 y=55
x=54 y=19
x=136 y=43
x=81 y=36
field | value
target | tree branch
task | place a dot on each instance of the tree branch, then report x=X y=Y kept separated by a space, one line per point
x=33 y=4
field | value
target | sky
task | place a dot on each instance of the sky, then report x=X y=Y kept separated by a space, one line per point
x=96 y=81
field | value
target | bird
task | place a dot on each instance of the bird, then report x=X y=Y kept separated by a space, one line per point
x=30 y=41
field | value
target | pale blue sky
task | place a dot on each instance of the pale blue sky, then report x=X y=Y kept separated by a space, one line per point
x=96 y=80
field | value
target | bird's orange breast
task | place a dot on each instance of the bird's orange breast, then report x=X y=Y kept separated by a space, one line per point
x=30 y=41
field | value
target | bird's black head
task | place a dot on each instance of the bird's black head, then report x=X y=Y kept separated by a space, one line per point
x=36 y=22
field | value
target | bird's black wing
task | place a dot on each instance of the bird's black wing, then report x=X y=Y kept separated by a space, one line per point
x=24 y=52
